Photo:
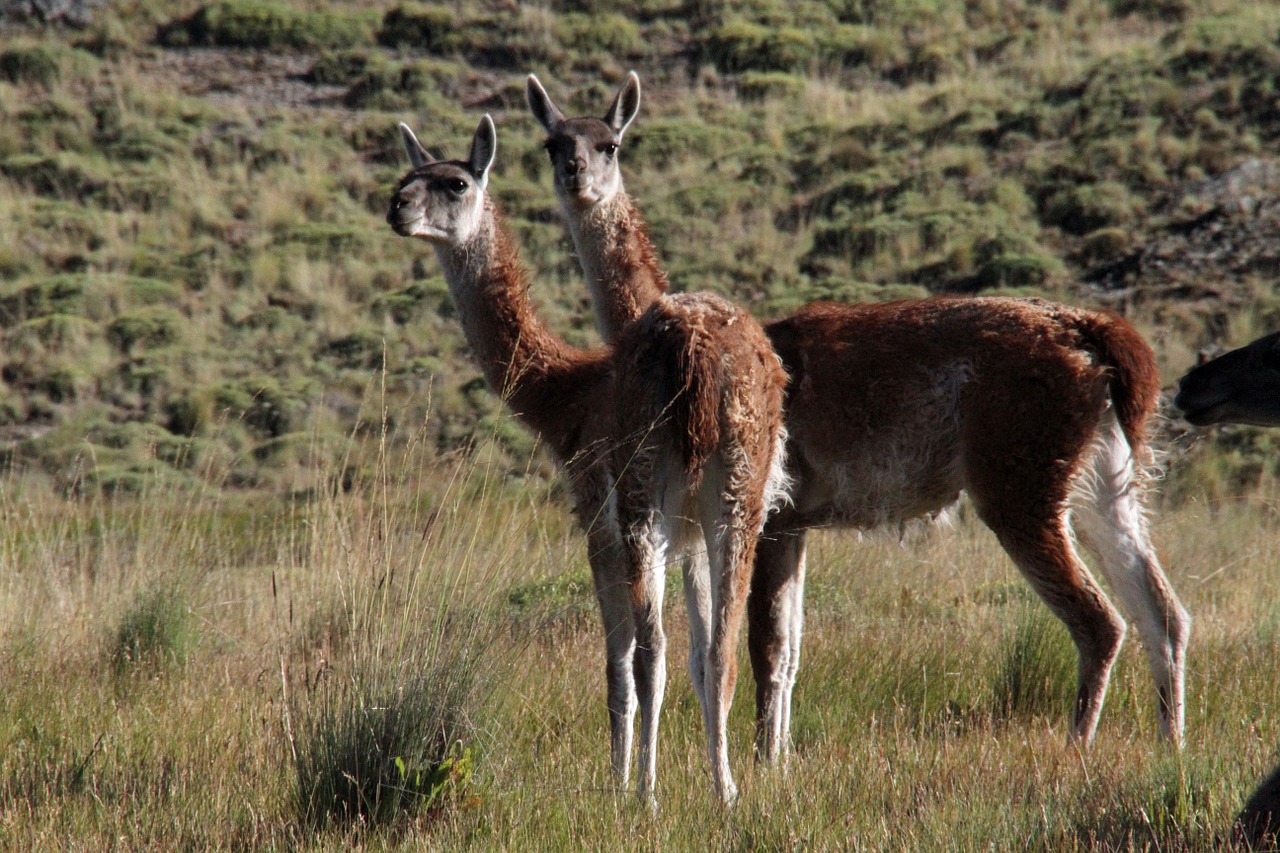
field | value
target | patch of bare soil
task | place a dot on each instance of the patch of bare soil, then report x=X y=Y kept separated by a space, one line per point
x=1214 y=239
x=246 y=77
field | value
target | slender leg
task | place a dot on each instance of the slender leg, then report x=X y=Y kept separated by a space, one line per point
x=731 y=551
x=1043 y=552
x=1021 y=482
x=1114 y=527
x=697 y=603
x=647 y=546
x=614 y=597
x=775 y=613
x=795 y=627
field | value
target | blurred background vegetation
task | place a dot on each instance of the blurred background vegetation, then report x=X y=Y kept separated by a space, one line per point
x=197 y=285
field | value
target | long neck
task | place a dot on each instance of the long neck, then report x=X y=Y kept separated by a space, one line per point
x=545 y=381
x=620 y=263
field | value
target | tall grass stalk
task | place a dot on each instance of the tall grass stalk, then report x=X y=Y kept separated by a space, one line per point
x=387 y=608
x=389 y=727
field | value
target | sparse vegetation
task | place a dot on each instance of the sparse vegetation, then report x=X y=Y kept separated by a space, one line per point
x=189 y=232
x=374 y=663
x=277 y=571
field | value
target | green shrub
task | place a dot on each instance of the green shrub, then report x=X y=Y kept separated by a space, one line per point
x=356 y=351
x=569 y=591
x=745 y=46
x=1158 y=10
x=1010 y=261
x=54 y=295
x=60 y=385
x=59 y=332
x=269 y=26
x=328 y=239
x=179 y=452
x=1088 y=207
x=854 y=46
x=419 y=27
x=1104 y=245
x=262 y=403
x=409 y=302
x=611 y=33
x=187 y=414
x=1036 y=675
x=145 y=329
x=157 y=629
x=757 y=85
x=144 y=290
x=1006 y=271
x=390 y=740
x=338 y=68
x=59 y=176
x=140 y=145
x=401 y=86
x=32 y=63
x=660 y=140
x=511 y=41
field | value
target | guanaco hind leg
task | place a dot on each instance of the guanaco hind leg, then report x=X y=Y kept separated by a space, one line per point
x=647 y=545
x=614 y=597
x=1112 y=524
x=775 y=624
x=697 y=603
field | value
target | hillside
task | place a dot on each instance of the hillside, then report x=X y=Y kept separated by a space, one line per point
x=196 y=282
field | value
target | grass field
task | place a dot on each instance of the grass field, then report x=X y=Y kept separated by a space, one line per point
x=181 y=671
x=276 y=571
x=200 y=269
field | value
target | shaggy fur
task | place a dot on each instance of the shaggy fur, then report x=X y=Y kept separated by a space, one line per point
x=1038 y=411
x=674 y=433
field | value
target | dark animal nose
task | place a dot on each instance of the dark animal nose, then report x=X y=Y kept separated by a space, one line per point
x=576 y=166
x=397 y=202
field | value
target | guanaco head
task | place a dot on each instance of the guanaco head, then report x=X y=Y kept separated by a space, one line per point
x=584 y=151
x=1240 y=387
x=443 y=201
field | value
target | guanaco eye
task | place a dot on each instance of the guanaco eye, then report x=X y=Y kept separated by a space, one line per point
x=456 y=186
x=609 y=149
x=557 y=145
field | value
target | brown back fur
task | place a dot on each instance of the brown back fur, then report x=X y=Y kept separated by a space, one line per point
x=893 y=408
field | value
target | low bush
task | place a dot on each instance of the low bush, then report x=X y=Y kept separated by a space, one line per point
x=1087 y=207
x=746 y=46
x=146 y=328
x=156 y=630
x=419 y=27
x=53 y=295
x=610 y=33
x=758 y=85
x=1038 y=666
x=31 y=63
x=269 y=26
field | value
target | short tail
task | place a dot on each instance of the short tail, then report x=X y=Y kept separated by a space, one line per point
x=694 y=373
x=1135 y=380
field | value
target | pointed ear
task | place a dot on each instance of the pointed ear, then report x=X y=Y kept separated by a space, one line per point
x=547 y=113
x=418 y=155
x=483 y=148
x=625 y=106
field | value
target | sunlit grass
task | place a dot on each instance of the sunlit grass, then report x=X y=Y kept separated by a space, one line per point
x=908 y=733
